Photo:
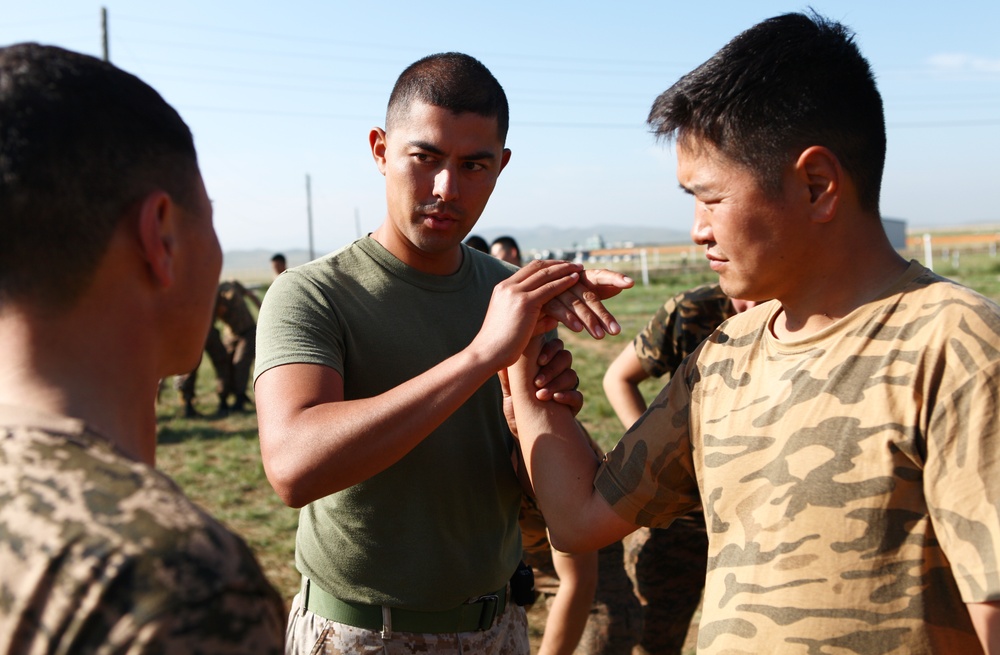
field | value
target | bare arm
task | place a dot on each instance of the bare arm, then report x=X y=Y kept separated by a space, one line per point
x=571 y=605
x=561 y=466
x=986 y=620
x=621 y=386
x=314 y=443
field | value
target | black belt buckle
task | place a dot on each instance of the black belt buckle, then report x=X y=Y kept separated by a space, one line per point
x=490 y=603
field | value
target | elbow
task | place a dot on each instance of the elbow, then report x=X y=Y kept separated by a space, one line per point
x=286 y=482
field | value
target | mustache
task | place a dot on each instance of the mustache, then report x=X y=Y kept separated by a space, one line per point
x=440 y=208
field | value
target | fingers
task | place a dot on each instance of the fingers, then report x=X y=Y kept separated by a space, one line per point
x=606 y=283
x=565 y=381
x=540 y=281
x=556 y=380
x=553 y=361
x=549 y=349
x=572 y=399
x=579 y=308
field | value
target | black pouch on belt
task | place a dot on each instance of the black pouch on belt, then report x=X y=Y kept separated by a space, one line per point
x=522 y=585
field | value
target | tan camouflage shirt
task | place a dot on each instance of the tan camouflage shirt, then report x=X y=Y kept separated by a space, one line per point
x=851 y=479
x=102 y=554
x=679 y=326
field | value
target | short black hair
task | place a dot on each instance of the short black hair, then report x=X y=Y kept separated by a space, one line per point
x=478 y=243
x=453 y=81
x=278 y=257
x=788 y=83
x=81 y=142
x=507 y=242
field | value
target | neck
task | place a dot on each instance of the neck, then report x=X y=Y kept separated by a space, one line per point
x=92 y=373
x=836 y=286
x=447 y=261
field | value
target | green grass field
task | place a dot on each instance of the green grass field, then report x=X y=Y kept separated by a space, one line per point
x=217 y=461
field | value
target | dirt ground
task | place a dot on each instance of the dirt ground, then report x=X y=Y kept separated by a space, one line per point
x=538 y=614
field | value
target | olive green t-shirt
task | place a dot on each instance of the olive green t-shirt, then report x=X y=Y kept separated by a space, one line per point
x=439 y=526
x=851 y=480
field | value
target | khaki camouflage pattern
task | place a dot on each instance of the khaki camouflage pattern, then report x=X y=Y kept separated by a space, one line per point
x=679 y=326
x=851 y=480
x=102 y=554
x=311 y=634
x=667 y=567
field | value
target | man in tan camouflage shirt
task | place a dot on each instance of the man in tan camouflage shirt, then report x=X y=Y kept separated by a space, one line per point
x=667 y=566
x=108 y=270
x=842 y=437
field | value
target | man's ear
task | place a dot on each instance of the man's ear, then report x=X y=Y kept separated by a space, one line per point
x=824 y=177
x=157 y=220
x=376 y=139
x=504 y=158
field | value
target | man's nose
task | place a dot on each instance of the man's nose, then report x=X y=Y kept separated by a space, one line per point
x=446 y=184
x=701 y=229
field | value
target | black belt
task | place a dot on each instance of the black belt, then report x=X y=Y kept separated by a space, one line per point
x=475 y=614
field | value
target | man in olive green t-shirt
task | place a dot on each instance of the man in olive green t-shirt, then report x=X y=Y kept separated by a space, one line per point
x=380 y=410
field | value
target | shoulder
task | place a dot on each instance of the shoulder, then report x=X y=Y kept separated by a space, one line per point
x=487 y=266
x=97 y=522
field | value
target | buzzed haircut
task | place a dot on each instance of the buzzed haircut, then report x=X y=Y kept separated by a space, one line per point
x=452 y=81
x=785 y=84
x=478 y=243
x=506 y=242
x=81 y=142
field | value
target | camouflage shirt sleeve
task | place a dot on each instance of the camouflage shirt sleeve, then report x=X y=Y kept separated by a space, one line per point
x=677 y=328
x=99 y=553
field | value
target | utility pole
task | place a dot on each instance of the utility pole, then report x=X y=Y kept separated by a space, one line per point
x=309 y=216
x=104 y=32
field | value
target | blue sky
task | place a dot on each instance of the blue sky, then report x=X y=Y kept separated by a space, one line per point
x=275 y=91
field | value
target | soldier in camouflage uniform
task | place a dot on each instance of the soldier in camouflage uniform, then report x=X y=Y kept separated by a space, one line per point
x=239 y=338
x=667 y=567
x=108 y=269
x=231 y=352
x=185 y=384
x=841 y=437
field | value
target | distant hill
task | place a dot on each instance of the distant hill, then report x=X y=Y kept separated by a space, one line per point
x=254 y=266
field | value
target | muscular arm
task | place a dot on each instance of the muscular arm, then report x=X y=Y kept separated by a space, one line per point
x=986 y=620
x=571 y=605
x=621 y=386
x=314 y=443
x=561 y=466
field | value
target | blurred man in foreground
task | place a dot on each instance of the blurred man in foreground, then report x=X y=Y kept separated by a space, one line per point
x=108 y=270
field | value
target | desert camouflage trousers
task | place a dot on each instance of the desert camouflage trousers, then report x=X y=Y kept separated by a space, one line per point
x=667 y=567
x=310 y=634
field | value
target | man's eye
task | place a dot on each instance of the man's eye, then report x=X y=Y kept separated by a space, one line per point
x=474 y=166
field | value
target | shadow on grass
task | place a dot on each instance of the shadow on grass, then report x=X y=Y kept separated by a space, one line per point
x=171 y=432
